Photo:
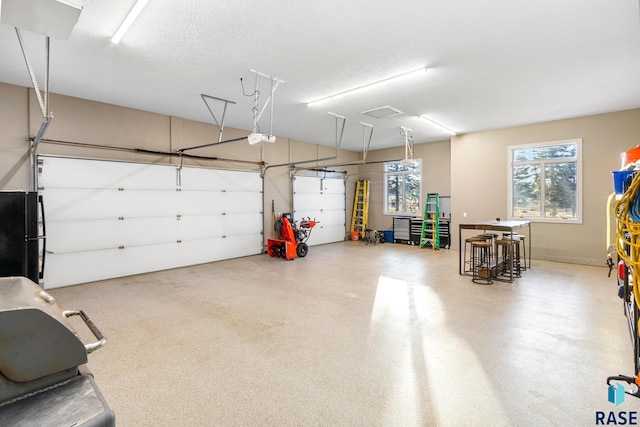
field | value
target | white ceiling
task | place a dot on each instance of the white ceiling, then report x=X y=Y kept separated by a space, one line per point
x=491 y=63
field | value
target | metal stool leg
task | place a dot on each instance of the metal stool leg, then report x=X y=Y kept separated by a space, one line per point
x=482 y=259
x=510 y=260
x=469 y=261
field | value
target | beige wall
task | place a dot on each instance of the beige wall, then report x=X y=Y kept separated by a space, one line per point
x=470 y=168
x=89 y=122
x=479 y=179
x=14 y=149
x=436 y=176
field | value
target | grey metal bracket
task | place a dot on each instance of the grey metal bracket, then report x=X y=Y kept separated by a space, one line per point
x=269 y=101
x=366 y=141
x=224 y=111
x=408 y=143
x=220 y=124
x=44 y=102
x=339 y=133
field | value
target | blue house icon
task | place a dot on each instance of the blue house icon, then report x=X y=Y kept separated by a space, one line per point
x=616 y=393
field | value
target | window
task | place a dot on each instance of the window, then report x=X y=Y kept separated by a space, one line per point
x=402 y=187
x=545 y=181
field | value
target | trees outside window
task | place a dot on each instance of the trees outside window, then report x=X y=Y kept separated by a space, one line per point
x=402 y=187
x=545 y=181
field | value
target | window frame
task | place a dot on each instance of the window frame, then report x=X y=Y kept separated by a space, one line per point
x=542 y=163
x=385 y=175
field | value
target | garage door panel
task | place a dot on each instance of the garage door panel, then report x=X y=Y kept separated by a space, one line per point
x=82 y=267
x=200 y=227
x=329 y=217
x=82 y=203
x=326 y=234
x=307 y=185
x=68 y=204
x=148 y=203
x=243 y=223
x=305 y=201
x=216 y=249
x=333 y=201
x=107 y=174
x=214 y=226
x=85 y=235
x=143 y=212
x=333 y=186
x=218 y=180
x=322 y=199
x=201 y=202
x=241 y=202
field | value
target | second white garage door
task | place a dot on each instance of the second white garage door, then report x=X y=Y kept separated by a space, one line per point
x=322 y=199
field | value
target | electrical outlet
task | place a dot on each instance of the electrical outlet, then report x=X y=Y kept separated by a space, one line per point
x=464 y=214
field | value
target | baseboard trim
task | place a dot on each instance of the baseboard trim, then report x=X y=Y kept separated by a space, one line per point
x=574 y=260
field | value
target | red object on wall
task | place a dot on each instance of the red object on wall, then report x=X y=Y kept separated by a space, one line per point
x=631 y=156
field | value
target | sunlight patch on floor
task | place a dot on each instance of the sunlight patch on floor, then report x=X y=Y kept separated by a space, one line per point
x=434 y=372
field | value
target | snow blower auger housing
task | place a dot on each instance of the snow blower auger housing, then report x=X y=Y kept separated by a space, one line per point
x=293 y=238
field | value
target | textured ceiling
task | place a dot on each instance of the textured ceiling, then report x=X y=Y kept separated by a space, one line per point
x=491 y=63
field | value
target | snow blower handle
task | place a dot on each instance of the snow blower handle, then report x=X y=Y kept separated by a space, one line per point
x=308 y=223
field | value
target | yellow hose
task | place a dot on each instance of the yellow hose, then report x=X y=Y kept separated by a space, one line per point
x=627 y=233
x=610 y=247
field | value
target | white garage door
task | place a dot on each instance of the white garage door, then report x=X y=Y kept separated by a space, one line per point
x=108 y=219
x=324 y=200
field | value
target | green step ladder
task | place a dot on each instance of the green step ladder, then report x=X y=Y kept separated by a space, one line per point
x=431 y=222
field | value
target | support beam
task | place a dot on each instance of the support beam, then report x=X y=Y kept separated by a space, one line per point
x=224 y=111
x=408 y=144
x=182 y=150
x=366 y=142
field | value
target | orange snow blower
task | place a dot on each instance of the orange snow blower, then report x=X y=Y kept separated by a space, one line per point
x=293 y=238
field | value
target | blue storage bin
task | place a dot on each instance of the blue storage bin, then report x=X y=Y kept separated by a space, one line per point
x=388 y=236
x=619 y=177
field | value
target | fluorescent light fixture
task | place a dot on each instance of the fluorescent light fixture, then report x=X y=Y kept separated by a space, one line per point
x=128 y=21
x=371 y=85
x=444 y=128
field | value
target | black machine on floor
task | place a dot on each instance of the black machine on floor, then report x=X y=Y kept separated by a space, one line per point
x=44 y=380
x=22 y=240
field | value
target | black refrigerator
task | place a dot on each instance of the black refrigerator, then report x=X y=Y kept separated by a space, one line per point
x=20 y=235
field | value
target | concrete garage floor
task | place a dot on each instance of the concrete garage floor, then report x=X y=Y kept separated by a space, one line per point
x=356 y=335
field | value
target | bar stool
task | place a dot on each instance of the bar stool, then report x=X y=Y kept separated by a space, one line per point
x=492 y=237
x=481 y=260
x=468 y=262
x=519 y=238
x=510 y=262
x=524 y=250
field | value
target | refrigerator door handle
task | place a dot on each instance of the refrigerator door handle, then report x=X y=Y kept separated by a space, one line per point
x=44 y=235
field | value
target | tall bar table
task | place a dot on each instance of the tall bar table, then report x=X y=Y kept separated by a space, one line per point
x=505 y=226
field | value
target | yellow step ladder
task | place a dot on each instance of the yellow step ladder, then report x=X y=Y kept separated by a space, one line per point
x=431 y=222
x=360 y=214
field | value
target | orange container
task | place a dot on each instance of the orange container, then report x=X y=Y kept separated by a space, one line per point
x=355 y=235
x=631 y=156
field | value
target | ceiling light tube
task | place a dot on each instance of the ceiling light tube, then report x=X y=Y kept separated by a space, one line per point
x=128 y=21
x=444 y=128
x=371 y=85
